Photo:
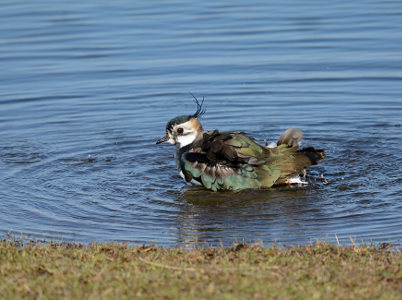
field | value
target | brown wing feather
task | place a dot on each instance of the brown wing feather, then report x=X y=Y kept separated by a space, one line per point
x=213 y=145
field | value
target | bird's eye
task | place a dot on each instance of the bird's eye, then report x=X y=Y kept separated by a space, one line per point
x=179 y=130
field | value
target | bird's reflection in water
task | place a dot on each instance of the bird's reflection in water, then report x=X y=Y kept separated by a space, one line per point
x=226 y=217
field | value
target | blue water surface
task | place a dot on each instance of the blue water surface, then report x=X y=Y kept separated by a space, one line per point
x=86 y=88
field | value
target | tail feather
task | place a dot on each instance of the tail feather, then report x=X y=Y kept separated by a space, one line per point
x=314 y=155
x=291 y=137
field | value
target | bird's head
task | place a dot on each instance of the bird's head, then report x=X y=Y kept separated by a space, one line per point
x=183 y=130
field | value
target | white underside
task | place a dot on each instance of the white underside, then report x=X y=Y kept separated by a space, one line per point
x=296 y=180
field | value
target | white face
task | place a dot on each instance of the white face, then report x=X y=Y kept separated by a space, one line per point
x=183 y=134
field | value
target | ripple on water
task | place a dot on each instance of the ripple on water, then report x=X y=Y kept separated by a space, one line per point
x=83 y=102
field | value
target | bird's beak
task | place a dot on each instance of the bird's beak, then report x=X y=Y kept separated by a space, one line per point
x=164 y=139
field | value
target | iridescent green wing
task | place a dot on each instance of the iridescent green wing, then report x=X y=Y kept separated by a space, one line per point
x=229 y=161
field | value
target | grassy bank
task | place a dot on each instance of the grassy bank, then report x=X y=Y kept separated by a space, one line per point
x=115 y=271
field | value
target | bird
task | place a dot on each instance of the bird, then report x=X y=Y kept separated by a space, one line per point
x=234 y=161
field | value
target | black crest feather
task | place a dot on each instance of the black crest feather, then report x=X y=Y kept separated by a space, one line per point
x=200 y=108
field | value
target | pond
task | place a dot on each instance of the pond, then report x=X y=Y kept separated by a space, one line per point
x=86 y=90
